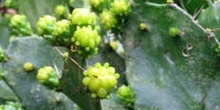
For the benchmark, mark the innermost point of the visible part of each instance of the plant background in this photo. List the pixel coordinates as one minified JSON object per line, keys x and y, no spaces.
{"x":154,"y":63}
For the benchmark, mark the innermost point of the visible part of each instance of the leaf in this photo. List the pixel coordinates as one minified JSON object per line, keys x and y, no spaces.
{"x":4,"y":32}
{"x":108,"y":104}
{"x":4,"y":39}
{"x":6,"y":94}
{"x":71,"y":85}
{"x":209,"y":18}
{"x":155,"y":64}
{"x":32,"y":95}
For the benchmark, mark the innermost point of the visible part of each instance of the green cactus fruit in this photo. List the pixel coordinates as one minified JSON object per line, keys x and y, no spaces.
{"x":102,"y":93}
{"x":108,"y":19}
{"x":61,"y":10}
{"x":48,"y":77}
{"x":100,"y":80}
{"x":126,"y":94}
{"x":170,"y":1}
{"x":94,"y":84}
{"x":120,"y":7}
{"x":20,"y":26}
{"x":95,"y":3}
{"x":82,"y":17}
{"x":61,"y":27}
{"x":45,"y":25}
{"x":87,"y":38}
{"x":143,"y":27}
{"x":174,"y":32}
{"x":28,"y":66}
{"x":65,"y":55}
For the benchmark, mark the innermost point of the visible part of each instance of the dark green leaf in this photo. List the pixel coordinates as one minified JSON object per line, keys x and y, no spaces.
{"x":4,"y":32}
{"x":209,"y":18}
{"x":6,"y":94}
{"x":32,"y":95}
{"x":109,"y":104}
{"x":170,"y":73}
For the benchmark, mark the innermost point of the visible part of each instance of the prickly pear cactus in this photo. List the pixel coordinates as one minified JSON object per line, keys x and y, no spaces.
{"x":109,"y":54}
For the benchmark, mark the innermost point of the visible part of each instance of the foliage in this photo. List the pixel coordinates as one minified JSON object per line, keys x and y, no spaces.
{"x":166,"y":53}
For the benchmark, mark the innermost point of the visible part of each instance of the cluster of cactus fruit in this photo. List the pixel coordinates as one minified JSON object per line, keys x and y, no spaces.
{"x":126,"y":94}
{"x":48,"y":77}
{"x":79,"y":32}
{"x":111,"y":12}
{"x":20,"y":26}
{"x":100,"y":79}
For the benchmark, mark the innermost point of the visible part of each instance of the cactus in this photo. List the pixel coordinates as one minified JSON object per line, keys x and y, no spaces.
{"x":166,"y":52}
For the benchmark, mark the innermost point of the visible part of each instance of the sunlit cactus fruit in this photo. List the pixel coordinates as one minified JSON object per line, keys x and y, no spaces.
{"x":65,"y":55}
{"x":108,"y":19}
{"x":61,"y":10}
{"x":100,"y":80}
{"x":87,"y":39}
{"x":45,"y":25}
{"x":102,"y":93}
{"x":82,"y":17}
{"x":61,"y":27}
{"x":126,"y":94}
{"x":28,"y":66}
{"x":174,"y":32}
{"x":143,"y":27}
{"x":48,"y":77}
{"x":18,"y":20}
{"x":120,"y":7}
{"x":20,"y":26}
{"x":170,"y":1}
{"x":95,"y":3}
